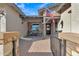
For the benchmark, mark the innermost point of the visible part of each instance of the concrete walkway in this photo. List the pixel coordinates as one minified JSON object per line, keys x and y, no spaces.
{"x":35,"y":47}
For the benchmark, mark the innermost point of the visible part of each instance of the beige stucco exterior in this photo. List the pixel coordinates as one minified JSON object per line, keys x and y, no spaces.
{"x":13,"y":21}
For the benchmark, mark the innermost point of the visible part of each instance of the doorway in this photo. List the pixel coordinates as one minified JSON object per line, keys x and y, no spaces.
{"x":48,"y":28}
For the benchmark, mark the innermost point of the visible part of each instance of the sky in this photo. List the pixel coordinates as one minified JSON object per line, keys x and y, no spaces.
{"x":30,"y":9}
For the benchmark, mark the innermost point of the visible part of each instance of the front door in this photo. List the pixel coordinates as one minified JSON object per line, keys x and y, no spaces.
{"x":48,"y":28}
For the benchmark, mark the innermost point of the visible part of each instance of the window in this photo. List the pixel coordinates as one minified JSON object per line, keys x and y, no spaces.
{"x":35,"y":27}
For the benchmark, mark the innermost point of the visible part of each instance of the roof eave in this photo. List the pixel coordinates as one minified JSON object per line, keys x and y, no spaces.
{"x":63,"y":7}
{"x":17,"y":9}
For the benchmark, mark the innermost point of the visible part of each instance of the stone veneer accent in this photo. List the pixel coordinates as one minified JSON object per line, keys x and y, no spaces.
{"x":9,"y":44}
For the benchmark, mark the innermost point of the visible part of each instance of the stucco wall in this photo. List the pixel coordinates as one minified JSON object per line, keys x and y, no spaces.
{"x":13,"y":21}
{"x":66,"y":18}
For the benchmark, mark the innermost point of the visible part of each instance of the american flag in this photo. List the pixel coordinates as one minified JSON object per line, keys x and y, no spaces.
{"x":49,"y":13}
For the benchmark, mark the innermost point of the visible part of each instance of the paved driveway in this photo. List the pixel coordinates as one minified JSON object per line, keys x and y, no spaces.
{"x":35,"y":46}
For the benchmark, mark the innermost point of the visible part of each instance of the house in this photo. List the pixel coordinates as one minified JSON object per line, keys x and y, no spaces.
{"x":68,"y":23}
{"x":11,"y":19}
{"x":11,"y":26}
{"x":68,"y":12}
{"x":49,"y":14}
{"x":34,"y":25}
{"x":67,"y":27}
{"x":64,"y":19}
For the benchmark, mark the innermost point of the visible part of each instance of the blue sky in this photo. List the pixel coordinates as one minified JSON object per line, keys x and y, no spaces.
{"x":32,"y":8}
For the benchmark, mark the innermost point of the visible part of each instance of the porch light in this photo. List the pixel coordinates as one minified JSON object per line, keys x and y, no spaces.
{"x":22,"y":18}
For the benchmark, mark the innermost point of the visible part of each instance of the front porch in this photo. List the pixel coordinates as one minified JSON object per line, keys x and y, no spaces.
{"x":39,"y":25}
{"x":38,"y":43}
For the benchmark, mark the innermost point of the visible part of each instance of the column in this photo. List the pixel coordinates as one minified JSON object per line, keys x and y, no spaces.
{"x":53,"y":27}
{"x":44,"y":27}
